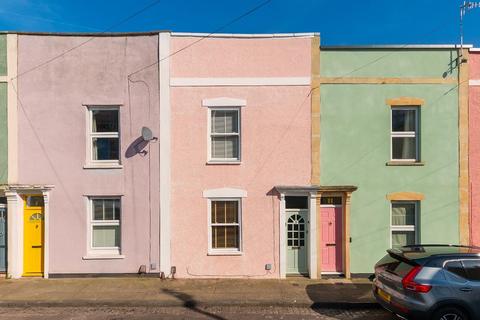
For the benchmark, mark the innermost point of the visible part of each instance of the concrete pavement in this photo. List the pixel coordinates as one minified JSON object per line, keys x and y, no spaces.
{"x":137,"y":292}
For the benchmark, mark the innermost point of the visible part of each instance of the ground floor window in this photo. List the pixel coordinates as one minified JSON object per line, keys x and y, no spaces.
{"x":224,"y":225}
{"x":404,"y":223}
{"x":104,"y":225}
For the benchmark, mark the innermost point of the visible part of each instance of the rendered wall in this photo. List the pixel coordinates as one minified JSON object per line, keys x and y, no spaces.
{"x":3,"y":112}
{"x":275,"y":126}
{"x":355,"y":144}
{"x":474,"y":147}
{"x":52,"y":142}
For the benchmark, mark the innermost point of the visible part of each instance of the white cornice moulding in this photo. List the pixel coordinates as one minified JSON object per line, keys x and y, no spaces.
{"x":3,"y":79}
{"x":264,"y":81}
{"x":475,"y":82}
{"x":224,"y":193}
{"x":224,"y":102}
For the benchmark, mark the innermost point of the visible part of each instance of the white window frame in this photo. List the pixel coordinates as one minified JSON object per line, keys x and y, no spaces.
{"x":413,"y":228}
{"x":90,"y":162}
{"x":102,"y":251}
{"x":405,"y":134}
{"x":210,"y":110}
{"x":229,"y":251}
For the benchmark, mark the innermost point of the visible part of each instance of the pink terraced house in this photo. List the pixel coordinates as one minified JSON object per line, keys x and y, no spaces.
{"x":128,"y":154}
{"x":474,"y":143}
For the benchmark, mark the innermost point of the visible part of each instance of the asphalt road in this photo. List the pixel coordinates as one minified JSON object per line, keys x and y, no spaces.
{"x":176,"y":313}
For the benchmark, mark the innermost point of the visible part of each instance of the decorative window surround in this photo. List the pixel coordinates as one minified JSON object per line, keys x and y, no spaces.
{"x":225,"y":193}
{"x":224,"y":102}
{"x":405,"y":196}
{"x":405,"y":101}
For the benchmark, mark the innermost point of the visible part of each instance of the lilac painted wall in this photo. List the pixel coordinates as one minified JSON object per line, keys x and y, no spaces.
{"x":275,"y":126}
{"x":52,"y":141}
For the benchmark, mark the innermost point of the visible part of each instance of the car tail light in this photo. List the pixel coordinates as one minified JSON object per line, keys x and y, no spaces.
{"x":409,"y":283}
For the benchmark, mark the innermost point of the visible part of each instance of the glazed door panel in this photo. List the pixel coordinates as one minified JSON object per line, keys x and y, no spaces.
{"x":297,"y":235}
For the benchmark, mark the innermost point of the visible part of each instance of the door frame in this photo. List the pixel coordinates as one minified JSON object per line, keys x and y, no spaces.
{"x":311,"y":194}
{"x":4,"y":206}
{"x":346,"y":193}
{"x":15,"y":223}
{"x":343,"y":237}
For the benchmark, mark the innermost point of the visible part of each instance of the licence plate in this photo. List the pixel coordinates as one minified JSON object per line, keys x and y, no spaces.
{"x":382,"y":294}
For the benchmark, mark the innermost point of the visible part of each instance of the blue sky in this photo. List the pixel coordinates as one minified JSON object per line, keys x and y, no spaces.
{"x":347,"y":22}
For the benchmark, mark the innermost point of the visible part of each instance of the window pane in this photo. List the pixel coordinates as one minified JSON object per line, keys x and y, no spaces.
{"x":109,"y":203}
{"x":403,"y":214}
{"x":105,"y":149}
{"x":117,"y":209}
{"x":225,"y":237}
{"x":106,"y":236}
{"x":292,"y":202}
{"x":404,"y":148}
{"x":224,"y":211}
{"x":35,"y":201}
{"x":225,"y":147}
{"x":224,"y":121}
{"x":97,"y":209}
{"x":403,"y":120}
{"x":456,"y":267}
{"x":402,"y":238}
{"x":473,"y":269}
{"x":105,"y":120}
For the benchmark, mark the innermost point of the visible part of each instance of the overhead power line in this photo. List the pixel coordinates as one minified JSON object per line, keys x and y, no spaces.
{"x":247,"y":13}
{"x":110,"y":28}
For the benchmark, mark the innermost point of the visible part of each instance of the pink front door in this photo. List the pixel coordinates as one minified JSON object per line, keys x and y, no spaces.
{"x":331,"y":238}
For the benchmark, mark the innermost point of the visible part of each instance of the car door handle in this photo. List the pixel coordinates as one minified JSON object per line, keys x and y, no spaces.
{"x":331,"y":244}
{"x":466,"y":289}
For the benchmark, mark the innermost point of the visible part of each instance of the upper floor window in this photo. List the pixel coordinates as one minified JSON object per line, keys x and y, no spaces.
{"x":224,"y":140}
{"x":404,"y":134}
{"x":103,"y":145}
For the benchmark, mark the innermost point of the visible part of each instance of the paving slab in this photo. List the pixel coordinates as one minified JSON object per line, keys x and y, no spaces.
{"x":156,"y":292}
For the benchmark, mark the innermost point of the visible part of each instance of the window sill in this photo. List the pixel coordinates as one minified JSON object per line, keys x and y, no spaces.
{"x":103,"y":166}
{"x":225,"y":253}
{"x":405,"y":163}
{"x":213,"y":162}
{"x":104,"y":257}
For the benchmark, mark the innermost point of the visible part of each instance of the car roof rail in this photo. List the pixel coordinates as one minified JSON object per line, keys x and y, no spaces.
{"x":440,"y":245}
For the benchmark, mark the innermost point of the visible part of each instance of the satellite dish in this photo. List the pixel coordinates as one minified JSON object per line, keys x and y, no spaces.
{"x":147,"y":134}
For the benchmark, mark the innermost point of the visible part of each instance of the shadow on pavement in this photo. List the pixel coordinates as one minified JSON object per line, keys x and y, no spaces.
{"x":341,"y":296}
{"x":190,"y":303}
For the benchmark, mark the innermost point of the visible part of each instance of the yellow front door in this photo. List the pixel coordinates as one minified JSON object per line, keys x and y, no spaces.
{"x":33,"y":228}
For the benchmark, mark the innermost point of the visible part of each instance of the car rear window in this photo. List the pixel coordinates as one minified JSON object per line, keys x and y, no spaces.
{"x":392,"y":265}
{"x":456,"y":267}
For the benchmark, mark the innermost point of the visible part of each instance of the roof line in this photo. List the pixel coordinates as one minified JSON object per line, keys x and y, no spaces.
{"x":86,"y":34}
{"x":398,"y":46}
{"x":246,"y":35}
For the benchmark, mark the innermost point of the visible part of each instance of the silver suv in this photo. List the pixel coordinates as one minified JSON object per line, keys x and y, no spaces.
{"x":437,"y":282}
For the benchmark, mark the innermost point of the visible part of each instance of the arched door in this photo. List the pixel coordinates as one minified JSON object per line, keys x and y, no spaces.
{"x":297,"y":229}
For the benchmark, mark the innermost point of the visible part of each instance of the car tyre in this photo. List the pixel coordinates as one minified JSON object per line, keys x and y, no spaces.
{"x":450,"y":313}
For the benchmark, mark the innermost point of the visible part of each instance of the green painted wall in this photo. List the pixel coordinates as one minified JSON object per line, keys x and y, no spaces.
{"x":3,"y":55}
{"x":355,"y":146}
{"x":3,"y":111}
